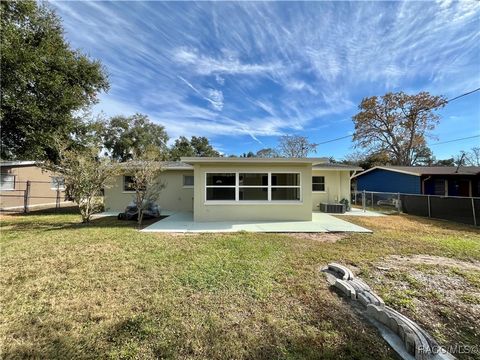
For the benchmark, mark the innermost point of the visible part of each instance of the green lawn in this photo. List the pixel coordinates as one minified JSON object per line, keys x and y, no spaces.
{"x":106,"y":290}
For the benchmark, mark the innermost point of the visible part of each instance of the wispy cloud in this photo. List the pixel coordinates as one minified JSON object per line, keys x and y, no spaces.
{"x":205,"y":65}
{"x":261,"y":69}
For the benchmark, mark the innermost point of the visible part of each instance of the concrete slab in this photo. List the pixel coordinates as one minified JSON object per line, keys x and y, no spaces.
{"x":181,"y":222}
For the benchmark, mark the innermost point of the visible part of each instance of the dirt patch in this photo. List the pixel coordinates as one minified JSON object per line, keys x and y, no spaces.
{"x":320,"y":237}
{"x":441,"y":294}
{"x":396,"y":261}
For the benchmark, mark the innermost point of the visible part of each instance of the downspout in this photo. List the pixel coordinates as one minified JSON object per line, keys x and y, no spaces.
{"x":423,"y":184}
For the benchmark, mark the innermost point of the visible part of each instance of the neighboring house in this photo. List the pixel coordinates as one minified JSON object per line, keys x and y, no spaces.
{"x":217,"y":189}
{"x":13,"y":184}
{"x":428,"y":180}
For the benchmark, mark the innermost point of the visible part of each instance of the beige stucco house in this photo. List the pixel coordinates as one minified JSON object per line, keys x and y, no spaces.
{"x":224,"y":189}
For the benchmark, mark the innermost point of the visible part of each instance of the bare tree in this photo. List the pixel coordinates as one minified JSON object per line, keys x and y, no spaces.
{"x":397,"y":123}
{"x":472,"y":157}
{"x":267,"y":153}
{"x":85,"y":175}
{"x":146,"y":182}
{"x":295,"y":146}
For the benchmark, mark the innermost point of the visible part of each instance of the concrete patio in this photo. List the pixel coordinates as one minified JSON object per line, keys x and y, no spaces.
{"x":182,"y":222}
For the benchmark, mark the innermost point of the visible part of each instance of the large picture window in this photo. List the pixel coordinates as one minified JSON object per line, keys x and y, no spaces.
{"x":221,"y":186}
{"x":253,"y":187}
{"x":318,"y":183}
{"x":285,"y":187}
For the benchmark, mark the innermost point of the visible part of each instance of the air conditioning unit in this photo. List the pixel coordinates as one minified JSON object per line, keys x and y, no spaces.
{"x":332,"y":208}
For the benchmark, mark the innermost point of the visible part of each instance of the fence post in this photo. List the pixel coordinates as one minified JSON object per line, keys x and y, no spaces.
{"x":429,"y":209}
{"x":57,"y":199}
{"x":363,"y":200}
{"x":371,"y":198}
{"x":474,"y":215}
{"x":26,"y":196}
{"x":399,"y":205}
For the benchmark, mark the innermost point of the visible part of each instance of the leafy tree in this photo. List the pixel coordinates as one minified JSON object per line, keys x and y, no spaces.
{"x":250,"y":154}
{"x":181,"y":148}
{"x":444,"y":162}
{"x":195,"y":147}
{"x":202,"y":147}
{"x":146,"y":180}
{"x":295,"y":146}
{"x":267,"y":153}
{"x":367,"y":161}
{"x":43,"y":81}
{"x":423,"y":156}
{"x":85,"y":175}
{"x":397,"y":123}
{"x":129,"y":137}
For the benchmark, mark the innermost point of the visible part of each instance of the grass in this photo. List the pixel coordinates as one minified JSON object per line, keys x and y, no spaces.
{"x":106,"y":290}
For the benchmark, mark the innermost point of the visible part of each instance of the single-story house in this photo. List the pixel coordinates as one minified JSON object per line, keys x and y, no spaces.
{"x":43,"y":185}
{"x":427,"y":180}
{"x":225,"y":189}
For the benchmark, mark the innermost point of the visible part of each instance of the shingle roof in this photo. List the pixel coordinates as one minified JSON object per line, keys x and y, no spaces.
{"x":166,"y":165}
{"x":439,"y":170}
{"x":429,"y":170}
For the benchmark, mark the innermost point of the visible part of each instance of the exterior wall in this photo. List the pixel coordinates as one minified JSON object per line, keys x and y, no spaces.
{"x":245,"y":211}
{"x":455,"y":185}
{"x":337,"y":187}
{"x":173,"y":197}
{"x":41,"y":192}
{"x":389,"y":181}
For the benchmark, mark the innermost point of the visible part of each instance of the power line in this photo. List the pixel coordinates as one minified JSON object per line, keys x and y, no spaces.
{"x":328,"y":141}
{"x":446,"y":102}
{"x":459,"y":96}
{"x":459,"y":139}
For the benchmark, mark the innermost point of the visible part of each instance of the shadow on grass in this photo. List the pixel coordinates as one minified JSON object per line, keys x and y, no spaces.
{"x":50,"y":211}
{"x":62,"y":224}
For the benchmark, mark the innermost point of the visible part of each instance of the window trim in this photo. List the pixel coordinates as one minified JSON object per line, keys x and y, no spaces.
{"x":188,"y":186}
{"x":269,"y":187}
{"x":324,"y":183}
{"x":14,"y":181}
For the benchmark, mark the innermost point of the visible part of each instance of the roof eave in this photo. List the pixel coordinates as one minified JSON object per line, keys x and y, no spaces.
{"x":206,"y":160}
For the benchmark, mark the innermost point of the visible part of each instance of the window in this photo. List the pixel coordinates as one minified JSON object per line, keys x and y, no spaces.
{"x":57,"y":182}
{"x":318,"y":183}
{"x":285,"y":187}
{"x":7,"y":182}
{"x":128,"y":183}
{"x":187,"y":180}
{"x":221,"y":186}
{"x":439,"y":187}
{"x":254,"y":187}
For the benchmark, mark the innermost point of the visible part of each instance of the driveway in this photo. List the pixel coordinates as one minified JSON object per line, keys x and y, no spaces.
{"x":182,"y":222}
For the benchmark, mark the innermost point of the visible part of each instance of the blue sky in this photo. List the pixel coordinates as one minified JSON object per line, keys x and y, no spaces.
{"x":243,"y":74}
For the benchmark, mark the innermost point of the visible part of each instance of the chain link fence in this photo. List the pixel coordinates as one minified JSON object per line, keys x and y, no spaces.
{"x":465,"y":210}
{"x":23,"y":196}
